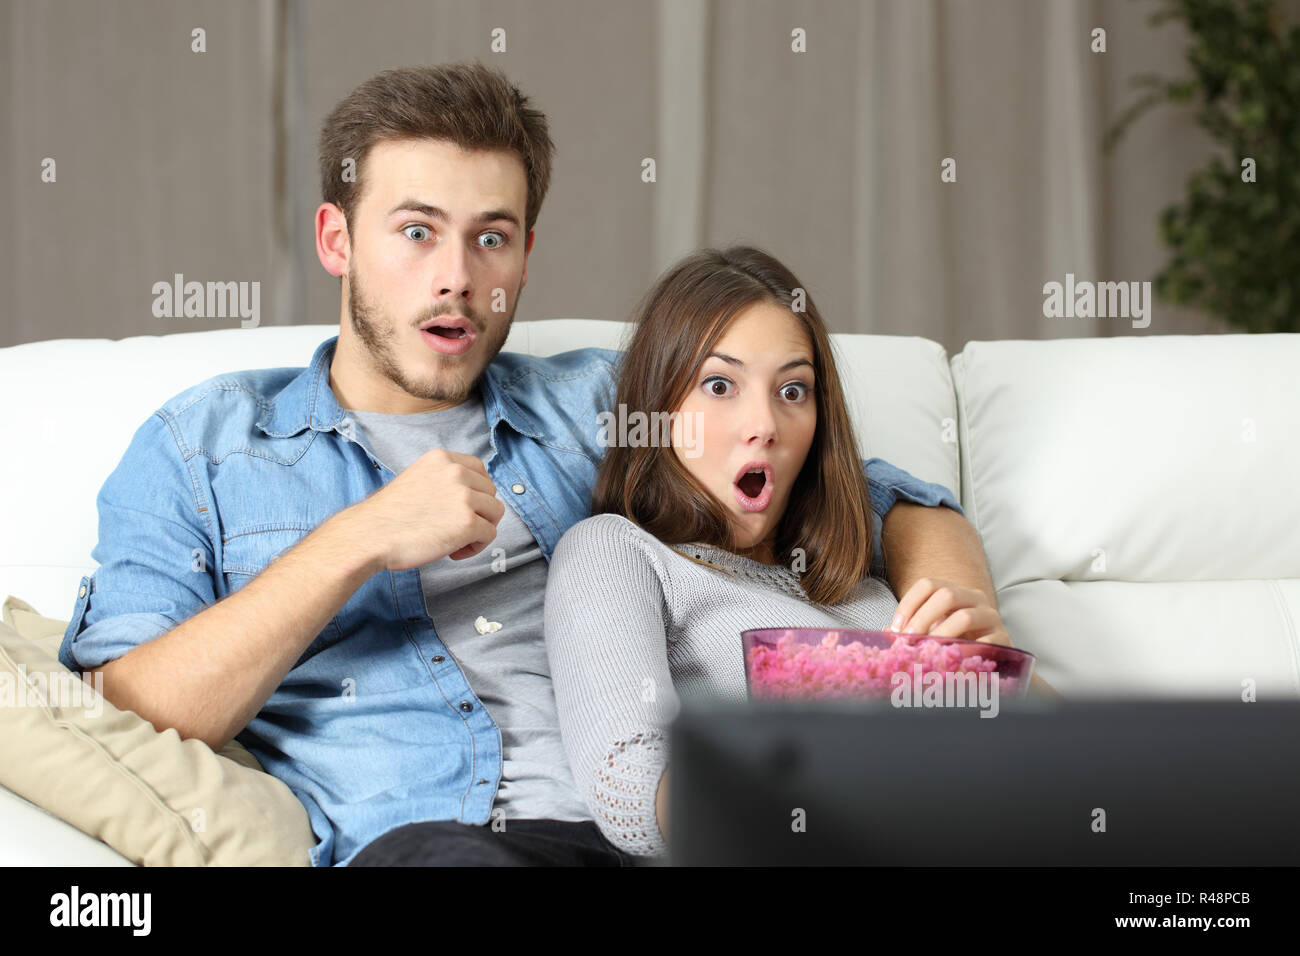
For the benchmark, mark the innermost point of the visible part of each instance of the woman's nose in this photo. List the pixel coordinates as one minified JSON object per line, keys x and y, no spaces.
{"x":759,"y":423}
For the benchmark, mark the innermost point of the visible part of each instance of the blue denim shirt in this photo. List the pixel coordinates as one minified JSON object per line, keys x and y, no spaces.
{"x":231,"y":473}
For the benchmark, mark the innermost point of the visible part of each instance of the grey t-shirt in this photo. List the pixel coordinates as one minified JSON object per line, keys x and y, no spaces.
{"x":506,"y":584}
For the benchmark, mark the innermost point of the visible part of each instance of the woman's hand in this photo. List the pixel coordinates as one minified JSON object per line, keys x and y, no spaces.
{"x":661,"y":804}
{"x":944,"y":609}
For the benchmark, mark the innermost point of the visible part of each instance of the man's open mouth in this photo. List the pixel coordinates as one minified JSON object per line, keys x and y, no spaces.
{"x":449,"y":326}
{"x":450,"y":334}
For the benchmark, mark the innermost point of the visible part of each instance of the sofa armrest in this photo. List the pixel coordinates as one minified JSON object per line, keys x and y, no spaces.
{"x":29,"y":836}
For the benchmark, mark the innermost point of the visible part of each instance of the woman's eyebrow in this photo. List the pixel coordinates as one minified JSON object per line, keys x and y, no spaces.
{"x":794,"y":363}
{"x":739,"y":364}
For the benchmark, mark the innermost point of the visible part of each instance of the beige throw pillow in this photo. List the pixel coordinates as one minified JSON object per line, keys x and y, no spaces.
{"x":153,"y":797}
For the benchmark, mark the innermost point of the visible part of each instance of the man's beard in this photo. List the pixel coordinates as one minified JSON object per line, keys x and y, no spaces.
{"x":451,"y":383}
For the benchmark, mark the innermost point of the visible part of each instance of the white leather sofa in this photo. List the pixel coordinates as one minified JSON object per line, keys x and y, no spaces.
{"x":1136,"y":497}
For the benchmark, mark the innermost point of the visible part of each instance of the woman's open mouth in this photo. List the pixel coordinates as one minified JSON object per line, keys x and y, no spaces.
{"x":753,"y":485}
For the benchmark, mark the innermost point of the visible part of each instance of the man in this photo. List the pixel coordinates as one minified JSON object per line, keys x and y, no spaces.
{"x":344,"y":565}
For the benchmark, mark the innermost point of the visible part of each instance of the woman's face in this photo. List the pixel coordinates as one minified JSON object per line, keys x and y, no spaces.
{"x":754,"y":417}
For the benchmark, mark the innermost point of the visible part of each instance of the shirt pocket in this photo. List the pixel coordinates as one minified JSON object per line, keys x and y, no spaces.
{"x":246,"y":554}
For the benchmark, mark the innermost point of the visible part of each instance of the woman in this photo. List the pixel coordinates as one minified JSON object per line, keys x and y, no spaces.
{"x":757,"y":515}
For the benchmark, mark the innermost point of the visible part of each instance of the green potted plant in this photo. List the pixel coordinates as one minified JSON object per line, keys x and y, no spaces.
{"x":1235,"y":236}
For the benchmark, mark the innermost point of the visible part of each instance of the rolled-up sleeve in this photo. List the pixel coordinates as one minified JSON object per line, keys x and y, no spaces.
{"x":888,"y":484}
{"x":154,"y":553}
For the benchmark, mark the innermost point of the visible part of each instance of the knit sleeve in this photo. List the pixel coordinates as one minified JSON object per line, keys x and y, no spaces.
{"x":605,"y":625}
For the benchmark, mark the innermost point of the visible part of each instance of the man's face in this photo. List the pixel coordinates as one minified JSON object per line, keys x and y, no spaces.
{"x":437,"y":237}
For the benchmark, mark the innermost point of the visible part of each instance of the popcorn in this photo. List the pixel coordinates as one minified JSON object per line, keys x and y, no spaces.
{"x":484,"y":626}
{"x":790,"y":669}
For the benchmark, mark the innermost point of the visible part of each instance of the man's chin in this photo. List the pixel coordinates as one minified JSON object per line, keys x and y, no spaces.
{"x":452,"y":385}
{"x":448,"y":377}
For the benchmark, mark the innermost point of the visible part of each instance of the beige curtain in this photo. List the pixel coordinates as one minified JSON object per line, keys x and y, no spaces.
{"x":203,"y":163}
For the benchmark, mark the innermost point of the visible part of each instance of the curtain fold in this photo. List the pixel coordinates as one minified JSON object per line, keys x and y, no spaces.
{"x":203,"y":163}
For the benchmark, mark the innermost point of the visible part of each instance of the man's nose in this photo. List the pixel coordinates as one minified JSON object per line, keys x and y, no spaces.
{"x":451,"y":278}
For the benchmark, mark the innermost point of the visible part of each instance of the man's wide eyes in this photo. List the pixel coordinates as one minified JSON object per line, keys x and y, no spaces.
{"x":419,"y":233}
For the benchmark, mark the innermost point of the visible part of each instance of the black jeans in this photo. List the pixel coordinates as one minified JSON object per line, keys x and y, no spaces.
{"x":519,"y":843}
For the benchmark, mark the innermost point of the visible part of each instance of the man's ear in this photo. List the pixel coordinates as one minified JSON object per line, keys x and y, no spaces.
{"x":523,"y":279}
{"x":333,"y":245}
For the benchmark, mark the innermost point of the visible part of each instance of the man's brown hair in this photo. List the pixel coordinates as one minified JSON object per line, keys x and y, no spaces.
{"x":678,"y":323}
{"x":468,"y":104}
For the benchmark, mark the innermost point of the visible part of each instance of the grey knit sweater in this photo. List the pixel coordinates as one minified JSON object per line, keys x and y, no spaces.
{"x":632,"y":627}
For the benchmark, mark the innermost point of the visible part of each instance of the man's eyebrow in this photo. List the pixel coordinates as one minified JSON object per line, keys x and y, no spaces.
{"x":436,"y":212}
{"x":739,"y":364}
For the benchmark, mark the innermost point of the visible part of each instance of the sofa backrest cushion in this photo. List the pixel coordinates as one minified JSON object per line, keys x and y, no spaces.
{"x":1136,"y":500}
{"x":75,"y":403}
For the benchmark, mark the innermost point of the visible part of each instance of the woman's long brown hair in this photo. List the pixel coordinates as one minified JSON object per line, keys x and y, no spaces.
{"x":678,"y":323}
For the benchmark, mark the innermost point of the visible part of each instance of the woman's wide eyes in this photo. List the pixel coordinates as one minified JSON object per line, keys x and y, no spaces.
{"x":712,"y":382}
{"x":793,"y":392}
{"x":418,"y":233}
{"x":800,"y":391}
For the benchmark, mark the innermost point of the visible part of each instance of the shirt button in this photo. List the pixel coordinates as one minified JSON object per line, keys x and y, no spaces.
{"x":517,"y":488}
{"x":82,"y":592}
{"x":466,"y":706}
{"x":481,"y":782}
{"x":413,"y":620}
{"x":437,"y":658}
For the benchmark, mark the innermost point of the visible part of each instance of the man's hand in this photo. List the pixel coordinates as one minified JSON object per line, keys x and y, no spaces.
{"x":443,"y":505}
{"x":945,"y":609}
{"x":922,"y":542}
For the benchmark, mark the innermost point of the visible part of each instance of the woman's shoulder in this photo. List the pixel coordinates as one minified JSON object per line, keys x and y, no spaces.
{"x":609,"y":536}
{"x":606,"y":525}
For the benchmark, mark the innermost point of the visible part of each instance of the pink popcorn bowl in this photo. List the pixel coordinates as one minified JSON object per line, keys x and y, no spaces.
{"x":816,"y":663}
